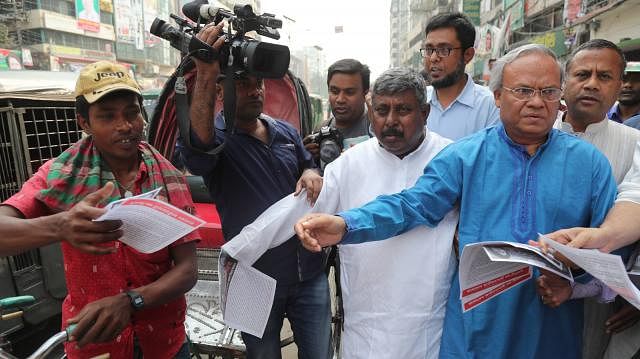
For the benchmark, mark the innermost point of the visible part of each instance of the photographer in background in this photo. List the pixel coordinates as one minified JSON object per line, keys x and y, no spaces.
{"x":348,"y":82}
{"x":263,"y":160}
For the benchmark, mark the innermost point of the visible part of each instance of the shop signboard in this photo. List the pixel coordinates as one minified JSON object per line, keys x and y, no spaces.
{"x":471,"y":8}
{"x":27,"y":60}
{"x":554,"y":40}
{"x":10,"y":60}
{"x":517,"y":15}
{"x":74,"y":52}
{"x":572,"y":11}
{"x":88,"y":14}
{"x":532,"y":7}
{"x":123,"y":19}
{"x":150,"y":13}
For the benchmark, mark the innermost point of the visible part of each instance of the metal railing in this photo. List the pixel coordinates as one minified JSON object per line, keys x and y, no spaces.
{"x":29,"y":136}
{"x":32,"y":132}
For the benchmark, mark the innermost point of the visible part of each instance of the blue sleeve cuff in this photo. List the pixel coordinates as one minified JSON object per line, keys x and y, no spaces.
{"x":348,"y":237}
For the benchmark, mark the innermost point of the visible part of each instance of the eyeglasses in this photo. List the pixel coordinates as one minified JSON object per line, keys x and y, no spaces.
{"x":550,"y":94}
{"x":440,"y":51}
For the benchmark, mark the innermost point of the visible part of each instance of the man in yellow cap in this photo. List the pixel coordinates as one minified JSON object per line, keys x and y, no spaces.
{"x":117,"y":296}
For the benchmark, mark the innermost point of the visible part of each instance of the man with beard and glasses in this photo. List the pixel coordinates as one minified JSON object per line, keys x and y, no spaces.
{"x":593,"y":79}
{"x":262,"y":161}
{"x":627,"y":110}
{"x":459,"y":107}
{"x":394,"y":291}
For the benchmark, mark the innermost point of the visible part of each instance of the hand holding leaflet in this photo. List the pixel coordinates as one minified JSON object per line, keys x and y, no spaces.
{"x":150,"y":224}
{"x":488,"y":269}
{"x":608,"y":268}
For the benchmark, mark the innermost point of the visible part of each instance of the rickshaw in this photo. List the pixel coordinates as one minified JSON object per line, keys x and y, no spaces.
{"x":37,"y":122}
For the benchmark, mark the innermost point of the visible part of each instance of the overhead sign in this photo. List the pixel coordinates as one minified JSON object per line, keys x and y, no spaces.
{"x":471,"y":8}
{"x":553,"y":40}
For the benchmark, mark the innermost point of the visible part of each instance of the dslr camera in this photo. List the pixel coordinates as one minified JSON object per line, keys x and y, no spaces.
{"x":330,"y":141}
{"x":241,"y":53}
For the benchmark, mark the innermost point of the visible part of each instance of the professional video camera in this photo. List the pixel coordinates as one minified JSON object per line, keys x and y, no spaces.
{"x":240,"y":53}
{"x":330,"y":141}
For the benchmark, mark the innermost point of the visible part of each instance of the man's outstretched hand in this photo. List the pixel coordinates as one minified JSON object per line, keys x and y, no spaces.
{"x":580,"y":237}
{"x":319,"y":230}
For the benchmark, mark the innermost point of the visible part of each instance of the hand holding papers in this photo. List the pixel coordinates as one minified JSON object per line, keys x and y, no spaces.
{"x":490,"y":268}
{"x":246,"y":294}
{"x":608,"y":268}
{"x":150,"y":224}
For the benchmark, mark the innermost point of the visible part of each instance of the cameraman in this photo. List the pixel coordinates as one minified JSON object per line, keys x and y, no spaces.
{"x":348,"y":82}
{"x":261,"y":162}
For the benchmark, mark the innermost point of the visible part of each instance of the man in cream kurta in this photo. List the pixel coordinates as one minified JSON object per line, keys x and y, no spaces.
{"x":394,"y":291}
{"x":592,"y":84}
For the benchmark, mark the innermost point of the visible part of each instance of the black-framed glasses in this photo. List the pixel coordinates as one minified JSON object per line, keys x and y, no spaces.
{"x":440,"y":51}
{"x":550,"y":94}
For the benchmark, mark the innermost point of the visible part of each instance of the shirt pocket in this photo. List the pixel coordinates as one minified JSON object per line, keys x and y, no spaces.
{"x":288,"y":157}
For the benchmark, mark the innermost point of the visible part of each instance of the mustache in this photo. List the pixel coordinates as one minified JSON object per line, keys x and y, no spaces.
{"x":393,"y":132}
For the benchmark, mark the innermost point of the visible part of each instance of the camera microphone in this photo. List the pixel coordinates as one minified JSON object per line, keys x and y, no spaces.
{"x":199,"y":9}
{"x":182,"y":41}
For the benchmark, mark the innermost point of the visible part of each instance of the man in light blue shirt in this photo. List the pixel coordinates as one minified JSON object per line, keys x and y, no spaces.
{"x":459,"y":107}
{"x":510,"y":181}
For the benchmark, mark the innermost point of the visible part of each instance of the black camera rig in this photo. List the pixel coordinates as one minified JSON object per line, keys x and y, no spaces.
{"x":239,"y":52}
{"x":239,"y":55}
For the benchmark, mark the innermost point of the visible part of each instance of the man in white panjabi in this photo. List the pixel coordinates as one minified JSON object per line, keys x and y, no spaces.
{"x":594,"y":74}
{"x":394,"y":291}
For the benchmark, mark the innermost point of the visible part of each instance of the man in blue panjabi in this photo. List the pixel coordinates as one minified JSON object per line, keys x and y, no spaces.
{"x":511,"y":182}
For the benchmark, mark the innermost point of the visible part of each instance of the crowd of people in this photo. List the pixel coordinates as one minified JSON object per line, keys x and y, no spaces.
{"x":426,"y":170}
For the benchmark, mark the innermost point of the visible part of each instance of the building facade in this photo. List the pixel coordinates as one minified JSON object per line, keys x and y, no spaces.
{"x":65,"y":35}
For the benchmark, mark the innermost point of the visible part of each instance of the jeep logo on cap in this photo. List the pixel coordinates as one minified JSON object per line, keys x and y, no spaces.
{"x":102,"y":75}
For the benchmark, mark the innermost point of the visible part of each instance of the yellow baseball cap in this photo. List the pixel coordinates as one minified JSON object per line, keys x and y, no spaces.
{"x":103,"y":77}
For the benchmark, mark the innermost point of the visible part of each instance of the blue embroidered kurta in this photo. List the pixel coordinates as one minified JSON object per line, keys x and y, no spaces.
{"x":503,"y":194}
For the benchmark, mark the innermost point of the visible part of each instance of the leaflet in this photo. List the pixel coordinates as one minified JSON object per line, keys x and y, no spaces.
{"x":246,"y":296}
{"x":510,"y":280}
{"x":149,"y":224}
{"x":488,"y":269}
{"x":608,"y":268}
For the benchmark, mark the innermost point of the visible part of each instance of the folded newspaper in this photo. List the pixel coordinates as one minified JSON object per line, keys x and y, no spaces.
{"x":488,"y":269}
{"x":149,"y":224}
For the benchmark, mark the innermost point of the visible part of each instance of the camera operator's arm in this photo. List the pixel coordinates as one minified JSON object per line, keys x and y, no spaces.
{"x":312,"y":147}
{"x":203,"y":100}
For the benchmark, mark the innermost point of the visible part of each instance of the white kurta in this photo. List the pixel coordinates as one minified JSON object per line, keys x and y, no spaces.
{"x":619,"y":143}
{"x":394,"y":291}
{"x":615,"y":140}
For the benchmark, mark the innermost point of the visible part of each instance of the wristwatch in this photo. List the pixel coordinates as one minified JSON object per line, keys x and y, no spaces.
{"x":137,"y":302}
